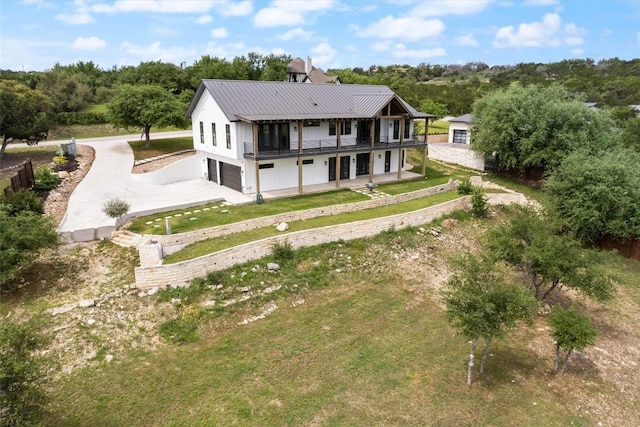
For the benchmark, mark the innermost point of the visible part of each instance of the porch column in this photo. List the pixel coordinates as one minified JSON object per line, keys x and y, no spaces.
{"x":299,"y":156}
{"x":255,"y":154}
{"x":338,"y":158}
{"x":372,"y":135}
{"x":425,"y":149}
{"x":400,"y":149}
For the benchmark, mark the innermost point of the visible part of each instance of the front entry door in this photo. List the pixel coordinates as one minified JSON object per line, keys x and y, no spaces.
{"x":212,"y":170}
{"x":387,"y":161}
{"x":344,"y":168}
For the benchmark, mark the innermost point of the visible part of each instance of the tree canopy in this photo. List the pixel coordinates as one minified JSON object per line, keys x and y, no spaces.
{"x":22,"y":114}
{"x":571,"y":331}
{"x":145,"y":106}
{"x":537,"y":126}
{"x":598,"y":195}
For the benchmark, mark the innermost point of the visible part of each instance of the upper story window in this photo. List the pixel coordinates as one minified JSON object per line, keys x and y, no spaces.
{"x":228,"y":132}
{"x":213,"y":134}
{"x":201,"y":132}
{"x":345,"y":128}
{"x":332,"y":128}
{"x":407,"y":128}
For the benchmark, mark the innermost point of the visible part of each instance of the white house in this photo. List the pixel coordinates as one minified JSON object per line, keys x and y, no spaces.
{"x":255,"y":136}
{"x":299,"y":71}
{"x":457,"y":149}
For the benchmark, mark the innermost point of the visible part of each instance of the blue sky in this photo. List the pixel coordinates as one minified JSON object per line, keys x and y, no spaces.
{"x":35,"y":34}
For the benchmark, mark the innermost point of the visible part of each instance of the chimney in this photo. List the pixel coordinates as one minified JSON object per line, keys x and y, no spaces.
{"x":307,"y":66}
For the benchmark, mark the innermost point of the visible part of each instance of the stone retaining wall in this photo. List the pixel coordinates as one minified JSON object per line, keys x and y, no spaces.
{"x":183,"y":239}
{"x":183,"y":272}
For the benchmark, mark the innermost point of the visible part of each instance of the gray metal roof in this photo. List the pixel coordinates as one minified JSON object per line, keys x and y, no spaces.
{"x":259,"y":100}
{"x":465,"y":118}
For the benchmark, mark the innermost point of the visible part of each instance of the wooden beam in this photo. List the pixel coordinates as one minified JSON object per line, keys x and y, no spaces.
{"x":372,"y":135}
{"x":338,"y":158}
{"x":300,"y":185}
{"x":255,"y":154}
{"x":425,"y":149}
{"x":400,"y":149}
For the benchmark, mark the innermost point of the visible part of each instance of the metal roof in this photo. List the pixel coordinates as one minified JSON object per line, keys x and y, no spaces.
{"x":259,"y":100}
{"x":465,"y":118}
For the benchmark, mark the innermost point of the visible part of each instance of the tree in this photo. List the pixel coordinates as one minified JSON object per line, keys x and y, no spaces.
{"x":22,"y":114}
{"x":67,"y":91}
{"x":21,"y":396}
{"x":145,"y":106}
{"x":546,"y":259}
{"x":571,"y":331}
{"x":631,"y":134}
{"x":116,"y":209}
{"x":22,"y":237}
{"x":436,"y":108}
{"x":481,"y":305}
{"x":537,"y":126}
{"x":598,"y":196}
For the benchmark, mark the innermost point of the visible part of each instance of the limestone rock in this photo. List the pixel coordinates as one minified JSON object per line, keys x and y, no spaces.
{"x":85,"y":303}
{"x":272,"y":266}
{"x":283,"y":226}
{"x":64,"y":309}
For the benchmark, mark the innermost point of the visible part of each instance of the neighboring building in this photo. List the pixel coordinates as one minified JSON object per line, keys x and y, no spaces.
{"x":256,"y":136}
{"x":457,"y":149}
{"x":299,"y":71}
{"x":636,"y":109}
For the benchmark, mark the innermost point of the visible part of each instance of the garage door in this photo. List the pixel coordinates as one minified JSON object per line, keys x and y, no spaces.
{"x":230,"y":176}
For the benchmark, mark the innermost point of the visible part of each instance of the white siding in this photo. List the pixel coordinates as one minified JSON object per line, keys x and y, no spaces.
{"x":459,"y":126}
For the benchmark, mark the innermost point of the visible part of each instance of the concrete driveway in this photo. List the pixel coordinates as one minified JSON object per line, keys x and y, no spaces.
{"x":110,"y":177}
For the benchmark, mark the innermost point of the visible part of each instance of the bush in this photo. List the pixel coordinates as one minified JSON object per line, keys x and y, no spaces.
{"x":60,"y":161}
{"x":117,"y":209}
{"x":46,"y":179}
{"x":182,"y":330}
{"x":21,"y":201}
{"x":465,"y":187}
{"x":22,"y":400}
{"x":283,"y":252}
{"x":479,"y":203}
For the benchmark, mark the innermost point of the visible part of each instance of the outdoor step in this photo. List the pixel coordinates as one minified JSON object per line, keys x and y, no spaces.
{"x":127,"y":238}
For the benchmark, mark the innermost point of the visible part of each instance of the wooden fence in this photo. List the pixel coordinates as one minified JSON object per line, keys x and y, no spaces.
{"x":23,"y":178}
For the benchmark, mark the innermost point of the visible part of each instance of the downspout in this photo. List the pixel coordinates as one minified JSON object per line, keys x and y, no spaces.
{"x":299,"y":156}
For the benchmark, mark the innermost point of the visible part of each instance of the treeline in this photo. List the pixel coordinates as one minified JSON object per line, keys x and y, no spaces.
{"x":437,"y":89}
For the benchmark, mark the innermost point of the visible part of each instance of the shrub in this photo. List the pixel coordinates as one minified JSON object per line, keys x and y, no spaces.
{"x":22,"y":201}
{"x":60,"y":161}
{"x":479,"y":203}
{"x":283,"y":251}
{"x":46,"y":179}
{"x":465,"y":187}
{"x":21,"y":397}
{"x":117,"y":209}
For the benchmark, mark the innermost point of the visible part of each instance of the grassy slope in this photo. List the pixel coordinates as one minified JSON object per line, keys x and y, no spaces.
{"x":160,"y":146}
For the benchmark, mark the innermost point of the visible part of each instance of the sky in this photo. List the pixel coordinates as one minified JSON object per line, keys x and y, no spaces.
{"x":37,"y":34}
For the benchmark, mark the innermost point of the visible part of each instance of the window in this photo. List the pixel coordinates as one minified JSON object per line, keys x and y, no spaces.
{"x":306,"y":162}
{"x":213,"y":134}
{"x":396,"y":129}
{"x":228,"y":130}
{"x":332,"y":128}
{"x":266,"y":166}
{"x":460,"y":136}
{"x":201,"y":132}
{"x":311,"y":123}
{"x":345,"y":128}
{"x":273,"y":137}
{"x":407,"y":127}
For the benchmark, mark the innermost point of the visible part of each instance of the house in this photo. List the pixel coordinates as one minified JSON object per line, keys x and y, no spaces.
{"x":255,"y":136}
{"x":636,"y":109}
{"x":299,"y":71}
{"x":457,"y":149}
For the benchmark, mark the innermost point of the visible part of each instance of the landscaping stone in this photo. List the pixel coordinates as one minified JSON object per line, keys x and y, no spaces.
{"x":64,"y":309}
{"x":283,"y":226}
{"x":272,"y":266}
{"x":152,"y":291}
{"x":108,"y":358}
{"x":85,"y":303}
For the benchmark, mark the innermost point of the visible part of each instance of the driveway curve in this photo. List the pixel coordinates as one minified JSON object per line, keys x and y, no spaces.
{"x":110,"y":177}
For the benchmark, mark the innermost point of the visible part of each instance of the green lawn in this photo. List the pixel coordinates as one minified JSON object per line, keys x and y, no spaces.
{"x":158,"y":147}
{"x":213,"y":245}
{"x":96,"y":131}
{"x":215,"y":216}
{"x":95,"y":108}
{"x":365,"y":348}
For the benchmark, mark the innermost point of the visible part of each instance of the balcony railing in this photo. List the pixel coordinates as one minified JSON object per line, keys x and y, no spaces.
{"x":328,"y":145}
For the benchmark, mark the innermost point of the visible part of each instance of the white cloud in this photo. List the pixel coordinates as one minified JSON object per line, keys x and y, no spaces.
{"x":75,"y":19}
{"x":540,"y":2}
{"x":89,"y":43}
{"x":236,"y":9}
{"x":296,"y":33}
{"x":228,"y":50}
{"x":351,"y":48}
{"x":466,"y":40}
{"x":219,"y":33}
{"x":381,"y":46}
{"x":323,"y":55}
{"x":449,"y":7}
{"x":39,"y":3}
{"x":577,"y":52}
{"x":289,"y":13}
{"x":408,"y":28}
{"x":159,"y":6}
{"x":204,"y":19}
{"x":158,"y":52}
{"x":546,"y":33}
